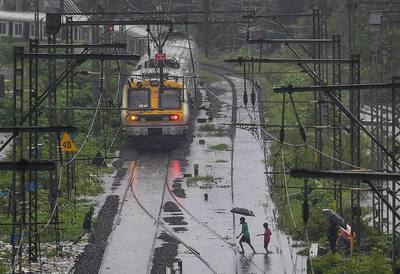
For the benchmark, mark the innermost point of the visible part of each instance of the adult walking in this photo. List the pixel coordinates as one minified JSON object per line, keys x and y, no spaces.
{"x":245,"y":235}
{"x":332,"y":234}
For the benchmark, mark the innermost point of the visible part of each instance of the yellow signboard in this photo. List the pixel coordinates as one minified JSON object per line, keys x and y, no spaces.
{"x":67,"y":145}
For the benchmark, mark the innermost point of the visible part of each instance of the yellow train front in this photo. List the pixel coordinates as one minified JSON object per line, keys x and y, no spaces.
{"x":154,"y":112}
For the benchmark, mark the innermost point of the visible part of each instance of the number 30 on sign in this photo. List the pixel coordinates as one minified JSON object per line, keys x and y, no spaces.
{"x":67,"y":145}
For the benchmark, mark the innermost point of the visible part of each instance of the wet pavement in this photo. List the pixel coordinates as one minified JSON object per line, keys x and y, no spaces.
{"x":131,"y":242}
{"x":138,"y":245}
{"x":250,"y":190}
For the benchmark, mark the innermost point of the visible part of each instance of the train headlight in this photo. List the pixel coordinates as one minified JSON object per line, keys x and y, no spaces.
{"x":134,"y":118}
{"x":174,"y":117}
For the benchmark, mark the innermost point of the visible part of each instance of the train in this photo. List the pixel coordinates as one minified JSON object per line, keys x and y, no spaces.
{"x":158,"y":99}
{"x":155,"y":106}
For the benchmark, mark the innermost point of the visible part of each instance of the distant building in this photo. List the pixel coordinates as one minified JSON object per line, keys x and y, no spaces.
{"x":27,"y":5}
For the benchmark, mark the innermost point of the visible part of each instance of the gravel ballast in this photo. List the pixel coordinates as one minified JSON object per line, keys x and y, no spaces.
{"x":90,"y":260}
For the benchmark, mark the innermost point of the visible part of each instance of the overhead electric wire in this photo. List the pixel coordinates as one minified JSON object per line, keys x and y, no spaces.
{"x":18,"y":251}
{"x":286,"y":189}
{"x":89,"y":131}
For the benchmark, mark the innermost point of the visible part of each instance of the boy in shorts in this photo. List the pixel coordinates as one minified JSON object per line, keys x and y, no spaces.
{"x":267,"y":236}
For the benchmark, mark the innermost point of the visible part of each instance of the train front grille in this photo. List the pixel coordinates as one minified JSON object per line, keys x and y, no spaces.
{"x":153,"y":118}
{"x":154,"y":131}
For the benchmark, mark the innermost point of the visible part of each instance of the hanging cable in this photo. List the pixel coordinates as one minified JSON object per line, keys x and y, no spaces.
{"x":253,"y":94}
{"x":287,"y":191}
{"x":192,"y":61}
{"x":148,"y":41}
{"x":305,"y":206}
{"x":282,"y":130}
{"x":301,"y":128}
{"x":245,"y":99}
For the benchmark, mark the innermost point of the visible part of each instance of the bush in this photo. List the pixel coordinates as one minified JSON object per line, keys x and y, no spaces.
{"x":333,"y":263}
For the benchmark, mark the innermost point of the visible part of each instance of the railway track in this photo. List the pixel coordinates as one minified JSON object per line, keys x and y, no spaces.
{"x":160,"y":224}
{"x":147,"y":191}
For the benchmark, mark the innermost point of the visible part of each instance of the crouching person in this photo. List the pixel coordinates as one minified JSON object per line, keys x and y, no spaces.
{"x":87,"y":224}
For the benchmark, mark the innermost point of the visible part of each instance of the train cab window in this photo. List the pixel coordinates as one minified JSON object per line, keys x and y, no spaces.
{"x":139,"y":98}
{"x":170,"y":98}
{"x":18,"y":29}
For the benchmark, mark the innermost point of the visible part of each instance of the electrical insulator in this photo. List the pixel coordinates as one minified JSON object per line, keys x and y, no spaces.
{"x":282,"y":135}
{"x":306,"y":211}
{"x":305,"y":206}
{"x":303,"y":133}
{"x":245,"y":99}
{"x":253,"y":98}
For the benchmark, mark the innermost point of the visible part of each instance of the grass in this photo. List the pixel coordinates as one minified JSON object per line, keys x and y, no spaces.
{"x":219,"y":147}
{"x":213,"y":130}
{"x":197,"y":179}
{"x":221,"y":161}
{"x":207,"y":127}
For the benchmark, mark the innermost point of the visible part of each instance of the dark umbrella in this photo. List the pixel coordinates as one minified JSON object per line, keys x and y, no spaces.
{"x":242,"y":211}
{"x":334,"y":217}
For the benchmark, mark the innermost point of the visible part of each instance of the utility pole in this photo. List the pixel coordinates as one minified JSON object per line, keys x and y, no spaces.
{"x":53,"y":25}
{"x":206,"y":33}
{"x":61,"y":8}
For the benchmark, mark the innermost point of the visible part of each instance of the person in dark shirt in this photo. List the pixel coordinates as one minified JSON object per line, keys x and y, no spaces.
{"x":332,"y":235}
{"x":267,"y":236}
{"x":245,"y":235}
{"x":87,"y":224}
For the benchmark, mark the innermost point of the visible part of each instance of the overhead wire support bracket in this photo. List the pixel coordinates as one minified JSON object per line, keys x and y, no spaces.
{"x":144,"y":22}
{"x":345,"y":174}
{"x":38,"y":129}
{"x":241,"y":60}
{"x":289,"y":41}
{"x":291,"y":89}
{"x":366,"y":176}
{"x":27,"y":165}
{"x":84,"y":46}
{"x":274,"y":16}
{"x":78,"y":56}
{"x":238,"y":11}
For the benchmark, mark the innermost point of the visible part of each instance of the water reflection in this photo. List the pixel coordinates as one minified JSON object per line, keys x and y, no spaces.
{"x":132,"y":174}
{"x":175,"y":169}
{"x":267,"y":264}
{"x":245,"y":264}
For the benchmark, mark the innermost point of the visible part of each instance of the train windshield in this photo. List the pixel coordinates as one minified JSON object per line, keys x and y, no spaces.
{"x":139,"y":98}
{"x":170,"y":98}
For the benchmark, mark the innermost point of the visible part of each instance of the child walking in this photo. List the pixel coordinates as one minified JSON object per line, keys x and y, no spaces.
{"x":267,"y":236}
